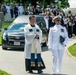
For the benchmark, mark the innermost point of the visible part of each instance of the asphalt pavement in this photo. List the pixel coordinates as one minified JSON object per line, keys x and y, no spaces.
{"x":12,"y":61}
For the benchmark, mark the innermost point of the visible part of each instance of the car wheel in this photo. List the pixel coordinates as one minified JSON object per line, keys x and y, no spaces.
{"x":4,"y":48}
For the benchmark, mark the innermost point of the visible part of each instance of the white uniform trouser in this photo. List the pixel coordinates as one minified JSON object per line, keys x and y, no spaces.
{"x":57,"y":60}
{"x":20,"y":13}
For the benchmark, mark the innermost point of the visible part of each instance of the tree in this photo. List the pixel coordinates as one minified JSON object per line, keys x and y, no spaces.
{"x":63,"y":3}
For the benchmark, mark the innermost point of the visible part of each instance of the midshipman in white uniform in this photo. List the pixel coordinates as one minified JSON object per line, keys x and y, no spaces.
{"x":8,"y":9}
{"x":20,"y":9}
{"x":57,"y":41}
{"x":33,"y":37}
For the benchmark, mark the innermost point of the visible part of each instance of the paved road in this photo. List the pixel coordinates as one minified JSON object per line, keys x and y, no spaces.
{"x":12,"y":61}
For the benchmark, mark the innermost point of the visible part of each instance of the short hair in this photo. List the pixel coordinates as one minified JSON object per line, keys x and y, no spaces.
{"x":32,"y":16}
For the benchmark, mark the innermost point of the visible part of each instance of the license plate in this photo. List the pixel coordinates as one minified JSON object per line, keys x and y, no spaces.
{"x":16,"y":43}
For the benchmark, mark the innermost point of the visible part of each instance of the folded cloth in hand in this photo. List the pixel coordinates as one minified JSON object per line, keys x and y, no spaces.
{"x":62,"y":39}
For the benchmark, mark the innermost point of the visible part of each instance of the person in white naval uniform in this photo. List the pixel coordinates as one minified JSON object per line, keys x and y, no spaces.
{"x":21,"y":9}
{"x":57,"y":41}
{"x":8,"y":9}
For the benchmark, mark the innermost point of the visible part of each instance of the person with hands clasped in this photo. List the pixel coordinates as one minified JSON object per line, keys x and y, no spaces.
{"x":32,"y":52}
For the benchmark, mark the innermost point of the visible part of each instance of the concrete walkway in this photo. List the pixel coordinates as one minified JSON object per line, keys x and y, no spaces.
{"x":69,"y":63}
{"x":13,"y":62}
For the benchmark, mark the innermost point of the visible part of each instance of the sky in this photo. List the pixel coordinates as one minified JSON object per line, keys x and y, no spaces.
{"x":72,"y":3}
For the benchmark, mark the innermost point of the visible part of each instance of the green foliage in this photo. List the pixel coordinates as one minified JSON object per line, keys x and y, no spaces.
{"x":42,"y":3}
{"x":4,"y":73}
{"x":72,"y":50}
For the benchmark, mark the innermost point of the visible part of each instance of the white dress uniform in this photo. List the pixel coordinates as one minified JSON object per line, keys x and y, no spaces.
{"x":46,"y":21}
{"x":8,"y":9}
{"x":21,"y":10}
{"x":56,"y":47}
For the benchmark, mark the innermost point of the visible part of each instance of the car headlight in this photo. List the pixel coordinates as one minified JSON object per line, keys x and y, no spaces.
{"x":4,"y":36}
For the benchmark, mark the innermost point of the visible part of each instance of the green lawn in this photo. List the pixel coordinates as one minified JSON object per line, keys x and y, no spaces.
{"x":4,"y":73}
{"x":4,"y":25}
{"x":0,"y":38}
{"x":72,"y":50}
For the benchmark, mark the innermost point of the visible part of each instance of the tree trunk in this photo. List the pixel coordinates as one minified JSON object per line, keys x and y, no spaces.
{"x":33,"y":2}
{"x":18,"y":1}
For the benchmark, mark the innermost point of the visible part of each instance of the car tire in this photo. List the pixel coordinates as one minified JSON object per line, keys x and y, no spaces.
{"x":4,"y":48}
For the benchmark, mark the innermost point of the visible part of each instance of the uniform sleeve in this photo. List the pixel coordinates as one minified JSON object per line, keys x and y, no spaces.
{"x":65,"y":36}
{"x":50,"y":39}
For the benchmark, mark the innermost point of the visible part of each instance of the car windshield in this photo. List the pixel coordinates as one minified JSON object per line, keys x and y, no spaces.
{"x":18,"y":26}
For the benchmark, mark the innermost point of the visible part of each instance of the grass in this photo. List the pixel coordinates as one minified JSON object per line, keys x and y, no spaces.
{"x":72,"y":50}
{"x":0,"y":38}
{"x":4,"y":25}
{"x":4,"y":73}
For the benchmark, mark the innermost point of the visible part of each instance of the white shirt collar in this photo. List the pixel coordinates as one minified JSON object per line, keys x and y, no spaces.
{"x":57,"y":25}
{"x":46,"y":17}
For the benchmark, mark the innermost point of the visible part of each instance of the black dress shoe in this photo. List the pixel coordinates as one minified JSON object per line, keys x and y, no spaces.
{"x":39,"y":72}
